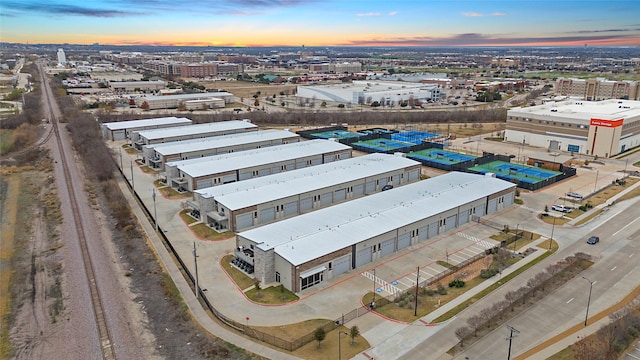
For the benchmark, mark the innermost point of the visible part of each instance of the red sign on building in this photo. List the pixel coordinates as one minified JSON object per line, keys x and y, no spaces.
{"x":606,"y":123}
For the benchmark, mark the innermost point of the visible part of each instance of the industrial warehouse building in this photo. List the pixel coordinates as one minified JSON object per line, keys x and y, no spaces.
{"x":122,"y":130}
{"x":603,"y":128}
{"x":190,"y":101}
{"x":156,"y":155}
{"x":199,"y":173}
{"x":305,"y":250}
{"x":254,"y":202}
{"x":366,"y":92}
{"x":140,"y":138}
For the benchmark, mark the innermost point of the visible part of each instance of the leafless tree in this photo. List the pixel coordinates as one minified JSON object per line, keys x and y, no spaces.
{"x":475,"y":322}
{"x":462,"y":333}
{"x":590,"y":348}
{"x":487,"y":316}
{"x":542,"y":278}
{"x":512,"y":297}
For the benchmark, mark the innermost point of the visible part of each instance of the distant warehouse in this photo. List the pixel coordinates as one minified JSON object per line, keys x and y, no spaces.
{"x":195,"y":101}
{"x":156,"y":155}
{"x":241,"y":205}
{"x":122,"y":129}
{"x":303,"y":251}
{"x":140,"y":138}
{"x":221,"y":169}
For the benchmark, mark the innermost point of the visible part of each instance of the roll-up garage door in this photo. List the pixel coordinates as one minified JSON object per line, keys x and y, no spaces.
{"x":404,"y":240}
{"x":479,"y":211}
{"x":395,"y":179}
{"x":264,"y":172}
{"x":201,"y":184}
{"x":342,"y":265}
{"x":371,"y":186}
{"x":463,"y":217}
{"x":276,"y":169}
{"x":414,"y":175}
{"x":387,"y":247}
{"x":316,"y":161}
{"x":267,"y":215}
{"x":244,"y":221}
{"x":451,"y":222}
{"x":363,"y":257}
{"x":300,"y":164}
{"x":306,"y":204}
{"x":339,"y":195}
{"x":291,"y":208}
{"x":358,"y":190}
{"x":118,"y":135}
{"x":245,"y":175}
{"x":492,"y":206}
{"x":326,"y":199}
{"x":423,"y":233}
{"x":433,"y":229}
{"x":508,"y":199}
{"x":228,"y":179}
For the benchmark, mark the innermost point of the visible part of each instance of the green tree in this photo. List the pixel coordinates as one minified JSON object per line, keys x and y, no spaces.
{"x":353,"y":333}
{"x":319,"y":335}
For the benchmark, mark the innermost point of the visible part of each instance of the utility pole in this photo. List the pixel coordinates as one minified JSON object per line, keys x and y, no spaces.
{"x":155,"y":212}
{"x":373,"y":301}
{"x":132,"y":184}
{"x":512,"y":334}
{"x":415,"y":308}
{"x":586,"y":316}
{"x":195,"y":261}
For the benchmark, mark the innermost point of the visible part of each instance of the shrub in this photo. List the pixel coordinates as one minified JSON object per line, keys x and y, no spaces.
{"x":430,"y":292}
{"x":487,"y":273}
{"x":442,"y":290}
{"x":457,"y":283}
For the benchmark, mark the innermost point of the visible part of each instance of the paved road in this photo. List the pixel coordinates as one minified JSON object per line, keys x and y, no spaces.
{"x":615,"y":273}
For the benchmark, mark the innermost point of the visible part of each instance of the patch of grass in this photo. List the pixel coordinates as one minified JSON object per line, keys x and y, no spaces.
{"x":329,"y":346}
{"x":188,"y":219}
{"x":591,"y":216}
{"x":170,"y":193}
{"x":272,"y":295}
{"x":498,"y":139}
{"x":564,"y":354}
{"x":204,"y":232}
{"x":240,"y":278}
{"x":146,"y":169}
{"x":449,"y":314}
{"x":550,"y":219}
{"x":291,"y":332}
{"x":129,"y":149}
{"x":172,"y":292}
{"x":575,"y":213}
{"x":603,"y":195}
{"x":446,"y":264}
{"x":631,"y":194}
{"x":518,"y":201}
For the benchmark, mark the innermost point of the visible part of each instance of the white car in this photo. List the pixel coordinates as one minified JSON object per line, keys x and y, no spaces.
{"x":561,"y":208}
{"x":574,"y":195}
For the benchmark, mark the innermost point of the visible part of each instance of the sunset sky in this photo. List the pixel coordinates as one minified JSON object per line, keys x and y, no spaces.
{"x":322,"y":22}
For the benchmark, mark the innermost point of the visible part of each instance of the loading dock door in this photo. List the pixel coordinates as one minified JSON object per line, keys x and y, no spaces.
{"x":244,"y":221}
{"x":371,"y":186}
{"x":229,"y":179}
{"x":508,"y":199}
{"x":342,"y":265}
{"x":267,"y":215}
{"x":433,"y":229}
{"x":492,"y":206}
{"x":264,"y":172}
{"x":291,"y":208}
{"x":451,"y":222}
{"x":463,"y":217}
{"x":423,"y":233}
{"x":326,"y":199}
{"x":358,"y":190}
{"x":245,"y":175}
{"x":306,"y":204}
{"x":363,"y":257}
{"x":119,"y":135}
{"x":201,"y":184}
{"x":316,"y":161}
{"x":339,"y":195}
{"x":414,"y":175}
{"x":404,"y":240}
{"x":479,"y":211}
{"x":387,"y":247}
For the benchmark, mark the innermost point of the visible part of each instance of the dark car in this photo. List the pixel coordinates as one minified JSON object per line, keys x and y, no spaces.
{"x":387,"y":187}
{"x":593,"y":240}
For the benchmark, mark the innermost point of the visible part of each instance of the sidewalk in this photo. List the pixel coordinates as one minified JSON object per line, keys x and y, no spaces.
{"x":401,"y":338}
{"x":604,"y":205}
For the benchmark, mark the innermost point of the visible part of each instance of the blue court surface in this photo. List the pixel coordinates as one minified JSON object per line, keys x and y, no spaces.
{"x":524,"y":173}
{"x":440,"y":156}
{"x":414,"y":137}
{"x":383,"y":144}
{"x":336,"y":134}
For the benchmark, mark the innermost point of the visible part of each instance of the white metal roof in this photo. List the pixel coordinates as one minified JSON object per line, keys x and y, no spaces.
{"x":249,"y":158}
{"x":582,"y":111}
{"x":260,"y":190}
{"x":213,"y":142}
{"x":189,"y":96}
{"x":132,"y":124}
{"x":310,"y":236}
{"x":162,"y":133}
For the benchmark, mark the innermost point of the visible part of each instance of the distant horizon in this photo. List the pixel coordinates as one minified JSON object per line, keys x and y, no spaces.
{"x":323,"y":23}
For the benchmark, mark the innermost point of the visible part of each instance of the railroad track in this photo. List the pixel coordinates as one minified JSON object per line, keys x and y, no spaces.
{"x":106,"y":343}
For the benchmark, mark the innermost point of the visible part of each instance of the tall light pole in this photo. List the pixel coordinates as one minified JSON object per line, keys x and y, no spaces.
{"x":552,"y":228}
{"x":586,"y":316}
{"x":340,"y":344}
{"x":195,"y":261}
{"x":596,"y":183}
{"x":415,"y":308}
{"x":626,"y":161}
{"x":512,"y":330}
{"x":132,"y":184}
{"x":121,"y":168}
{"x":373,"y":301}
{"x":155,"y":213}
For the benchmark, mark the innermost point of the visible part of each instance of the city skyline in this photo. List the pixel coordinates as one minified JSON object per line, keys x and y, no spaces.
{"x":249,"y":23}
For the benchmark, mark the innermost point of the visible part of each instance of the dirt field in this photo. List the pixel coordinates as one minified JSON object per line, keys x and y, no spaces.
{"x":246,"y":90}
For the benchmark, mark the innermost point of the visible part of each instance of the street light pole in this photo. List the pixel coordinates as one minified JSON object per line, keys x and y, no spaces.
{"x":340,"y":344}
{"x":415,"y":308}
{"x":155,"y":213}
{"x":586,"y":316}
{"x":373,"y":301}
{"x":195,"y":261}
{"x":553,"y":227}
{"x":595,"y":186}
